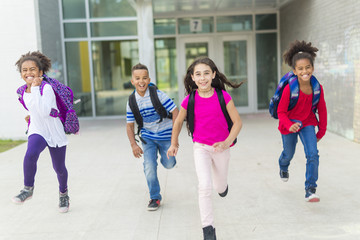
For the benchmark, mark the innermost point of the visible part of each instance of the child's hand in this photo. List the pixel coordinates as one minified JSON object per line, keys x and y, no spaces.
{"x":172,"y":151}
{"x":27,"y":118}
{"x":137,"y":151}
{"x":37,"y":81}
{"x":295,"y":127}
{"x":220,"y":146}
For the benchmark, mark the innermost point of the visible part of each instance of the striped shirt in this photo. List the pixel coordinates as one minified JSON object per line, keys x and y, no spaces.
{"x":152,"y":129}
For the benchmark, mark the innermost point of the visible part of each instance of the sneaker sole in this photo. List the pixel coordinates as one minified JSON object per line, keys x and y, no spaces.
{"x":63,"y":210}
{"x":284,"y":179}
{"x":314,"y":199}
{"x":153,"y":208}
{"x":20,"y":202}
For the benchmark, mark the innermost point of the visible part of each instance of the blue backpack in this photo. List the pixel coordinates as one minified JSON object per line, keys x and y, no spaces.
{"x":291,"y":79}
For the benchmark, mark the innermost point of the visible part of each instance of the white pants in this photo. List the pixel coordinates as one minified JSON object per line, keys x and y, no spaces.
{"x":205,"y":160}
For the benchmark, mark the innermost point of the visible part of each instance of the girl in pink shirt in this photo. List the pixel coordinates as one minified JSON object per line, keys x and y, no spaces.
{"x":301,"y":120}
{"x":210,"y":132}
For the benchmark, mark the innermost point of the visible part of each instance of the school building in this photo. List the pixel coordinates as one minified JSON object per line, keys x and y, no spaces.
{"x":94,"y":43}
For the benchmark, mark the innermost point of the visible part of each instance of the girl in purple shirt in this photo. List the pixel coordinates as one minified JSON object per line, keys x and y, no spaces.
{"x":211,"y":137}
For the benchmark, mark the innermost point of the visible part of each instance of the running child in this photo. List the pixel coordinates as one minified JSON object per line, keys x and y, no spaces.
{"x":301,"y":120}
{"x":211,"y":136}
{"x":155,"y":132}
{"x":43,"y":129}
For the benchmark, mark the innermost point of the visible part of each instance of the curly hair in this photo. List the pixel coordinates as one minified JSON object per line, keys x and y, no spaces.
{"x":41,"y":61}
{"x":299,"y":50}
{"x":219,"y":81}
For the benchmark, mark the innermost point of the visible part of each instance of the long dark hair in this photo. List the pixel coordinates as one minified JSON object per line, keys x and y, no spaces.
{"x":299,"y":50}
{"x":41,"y":61}
{"x":219,"y":81}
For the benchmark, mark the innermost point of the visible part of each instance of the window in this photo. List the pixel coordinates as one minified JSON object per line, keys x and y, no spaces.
{"x":78,"y":75}
{"x":234,"y":23}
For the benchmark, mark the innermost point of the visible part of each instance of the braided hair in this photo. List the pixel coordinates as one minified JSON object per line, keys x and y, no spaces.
{"x":41,"y":61}
{"x":219,"y":81}
{"x":299,"y":50}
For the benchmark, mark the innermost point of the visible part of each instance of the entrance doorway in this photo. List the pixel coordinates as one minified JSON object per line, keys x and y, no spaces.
{"x":232,"y":55}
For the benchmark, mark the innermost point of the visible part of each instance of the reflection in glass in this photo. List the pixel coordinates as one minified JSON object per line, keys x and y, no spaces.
{"x":111,"y":8}
{"x":265,"y":21}
{"x":195,"y":50}
{"x":266,"y":67}
{"x":78,"y":75}
{"x":75,"y":30}
{"x":166,"y":70}
{"x":106,"y":29}
{"x":164,"y":26}
{"x":73,"y":9}
{"x":235,"y":69}
{"x":112,"y":63}
{"x":234,"y":23}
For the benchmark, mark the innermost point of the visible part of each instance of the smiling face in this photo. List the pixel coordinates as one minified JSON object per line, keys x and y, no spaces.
{"x":140,"y":80}
{"x":203,"y":76}
{"x":303,"y":69}
{"x":29,"y":71}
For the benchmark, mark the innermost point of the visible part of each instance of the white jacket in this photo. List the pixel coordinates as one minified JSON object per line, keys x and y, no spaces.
{"x":39,"y":106}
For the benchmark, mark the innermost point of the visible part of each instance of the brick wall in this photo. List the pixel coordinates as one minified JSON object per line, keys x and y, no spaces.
{"x":333,"y":27}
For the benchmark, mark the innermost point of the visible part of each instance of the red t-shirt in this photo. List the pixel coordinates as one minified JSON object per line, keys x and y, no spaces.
{"x":302,"y":112}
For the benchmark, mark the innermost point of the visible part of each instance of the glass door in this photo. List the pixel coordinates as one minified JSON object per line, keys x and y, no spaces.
{"x":236,"y":64}
{"x":190,"y":49}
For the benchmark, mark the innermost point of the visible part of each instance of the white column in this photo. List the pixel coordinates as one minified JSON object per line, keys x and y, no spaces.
{"x":146,"y":36}
{"x":19,"y":32}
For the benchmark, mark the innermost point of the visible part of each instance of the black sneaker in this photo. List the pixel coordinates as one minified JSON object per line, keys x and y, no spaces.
{"x":209,"y":233}
{"x":64,"y":203}
{"x":153,"y":204}
{"x":25,"y":194}
{"x":225,"y":192}
{"x":284,"y":175}
{"x":310,"y":195}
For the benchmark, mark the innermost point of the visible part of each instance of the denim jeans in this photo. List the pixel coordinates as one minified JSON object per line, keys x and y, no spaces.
{"x":151,"y":149}
{"x":308,"y":138}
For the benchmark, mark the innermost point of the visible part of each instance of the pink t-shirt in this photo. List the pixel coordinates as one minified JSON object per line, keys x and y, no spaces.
{"x":210,"y":125}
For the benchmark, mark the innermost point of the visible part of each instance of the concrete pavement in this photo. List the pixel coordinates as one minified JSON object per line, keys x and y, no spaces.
{"x":109,"y":196}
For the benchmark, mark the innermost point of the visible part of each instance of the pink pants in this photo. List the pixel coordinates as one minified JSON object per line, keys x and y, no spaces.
{"x":205,"y":161}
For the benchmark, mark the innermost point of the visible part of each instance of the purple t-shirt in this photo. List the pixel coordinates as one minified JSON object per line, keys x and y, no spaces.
{"x":210,"y":125}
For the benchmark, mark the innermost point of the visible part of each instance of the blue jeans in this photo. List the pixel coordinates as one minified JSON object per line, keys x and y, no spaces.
{"x":151,"y":149}
{"x":308,"y":138}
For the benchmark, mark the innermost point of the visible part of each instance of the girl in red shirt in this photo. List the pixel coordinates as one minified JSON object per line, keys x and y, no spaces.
{"x":301,"y":120}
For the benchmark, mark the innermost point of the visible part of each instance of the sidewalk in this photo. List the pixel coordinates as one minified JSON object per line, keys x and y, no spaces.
{"x":109,"y":195}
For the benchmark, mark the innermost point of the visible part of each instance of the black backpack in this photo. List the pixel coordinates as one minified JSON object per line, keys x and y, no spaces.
{"x":191,"y":108}
{"x":159,"y":108}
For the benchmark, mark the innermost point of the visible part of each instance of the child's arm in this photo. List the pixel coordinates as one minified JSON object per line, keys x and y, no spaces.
{"x":172,"y":151}
{"x":237,"y":124}
{"x":175,"y":113}
{"x":137,"y":151}
{"x":322,"y":116}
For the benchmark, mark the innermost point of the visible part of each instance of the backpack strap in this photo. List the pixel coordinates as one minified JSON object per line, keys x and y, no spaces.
{"x":190,"y":112}
{"x":294,"y":91}
{"x":316,"y":93}
{"x":191,"y":109}
{"x":159,"y":108}
{"x":135,"y":110}
{"x":20,"y":92}
{"x":224,"y":110}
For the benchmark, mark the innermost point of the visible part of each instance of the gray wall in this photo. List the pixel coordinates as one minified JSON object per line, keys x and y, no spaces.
{"x":334,"y":27}
{"x":50,"y":34}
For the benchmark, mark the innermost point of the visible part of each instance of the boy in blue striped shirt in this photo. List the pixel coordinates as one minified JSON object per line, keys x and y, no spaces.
{"x":155,"y":133}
